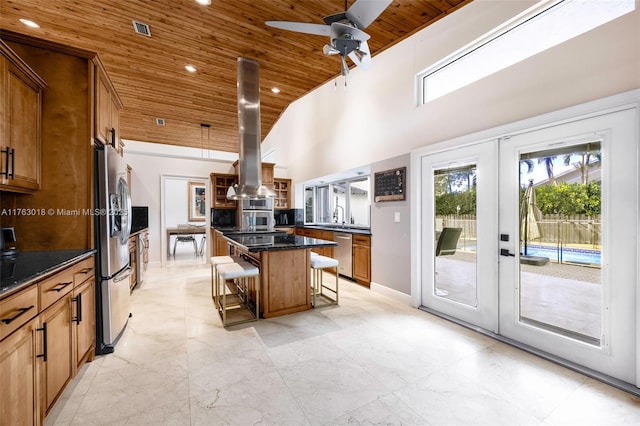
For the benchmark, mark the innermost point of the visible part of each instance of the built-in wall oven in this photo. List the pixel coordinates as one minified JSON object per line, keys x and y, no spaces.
{"x":257,"y":220}
{"x":257,"y":214}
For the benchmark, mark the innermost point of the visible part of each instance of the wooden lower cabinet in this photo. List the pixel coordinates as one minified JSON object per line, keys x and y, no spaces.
{"x":84,"y":322}
{"x":55,"y":345}
{"x":320,"y":234}
{"x":18,"y":377}
{"x":361,"y":252}
{"x":220,"y":245}
{"x":46,"y":333}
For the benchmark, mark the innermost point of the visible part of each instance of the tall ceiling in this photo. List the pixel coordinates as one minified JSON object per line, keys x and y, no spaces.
{"x":149,"y":72}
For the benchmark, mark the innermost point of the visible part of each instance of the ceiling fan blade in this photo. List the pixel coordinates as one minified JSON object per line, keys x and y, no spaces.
{"x":301,"y":27}
{"x":330,"y":19}
{"x":364,"y":12}
{"x":361,"y":57}
{"x":339,"y":30}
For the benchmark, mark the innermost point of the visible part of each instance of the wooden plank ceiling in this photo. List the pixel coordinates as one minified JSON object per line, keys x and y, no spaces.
{"x":149,"y":75}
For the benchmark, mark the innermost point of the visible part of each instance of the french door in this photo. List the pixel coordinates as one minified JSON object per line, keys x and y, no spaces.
{"x":534,"y":237}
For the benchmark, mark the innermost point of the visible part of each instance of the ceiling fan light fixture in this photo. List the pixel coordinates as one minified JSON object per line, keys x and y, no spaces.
{"x":330,"y":50}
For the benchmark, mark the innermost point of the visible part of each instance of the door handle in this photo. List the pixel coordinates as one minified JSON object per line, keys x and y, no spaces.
{"x":43,"y":355}
{"x":506,"y":252}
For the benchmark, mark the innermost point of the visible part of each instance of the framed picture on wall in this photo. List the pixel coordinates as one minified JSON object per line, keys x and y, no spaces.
{"x":197,"y":211}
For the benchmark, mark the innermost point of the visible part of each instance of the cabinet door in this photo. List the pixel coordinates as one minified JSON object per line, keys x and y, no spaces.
{"x":114,"y":122}
{"x":267,"y":174}
{"x":84,"y":322}
{"x":18,"y":379}
{"x":23,"y":104}
{"x":362,"y":260}
{"x":221,"y":245}
{"x":103,"y":109}
{"x":56,"y":369}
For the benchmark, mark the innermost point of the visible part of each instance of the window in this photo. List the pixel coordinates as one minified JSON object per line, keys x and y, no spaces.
{"x":344,"y":202}
{"x":308,"y":204}
{"x":541,"y":27}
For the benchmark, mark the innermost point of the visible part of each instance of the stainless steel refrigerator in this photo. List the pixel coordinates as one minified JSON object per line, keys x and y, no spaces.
{"x":112,"y":229}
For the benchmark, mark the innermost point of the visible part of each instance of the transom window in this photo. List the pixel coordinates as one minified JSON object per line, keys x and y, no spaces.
{"x":539,"y":28}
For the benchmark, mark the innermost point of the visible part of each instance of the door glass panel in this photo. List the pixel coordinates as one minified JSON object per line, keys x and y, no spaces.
{"x":359,"y":202}
{"x":455,"y":234}
{"x":560,"y":241}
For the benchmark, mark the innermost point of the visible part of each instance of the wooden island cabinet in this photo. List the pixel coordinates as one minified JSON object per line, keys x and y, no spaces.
{"x":285,"y":269}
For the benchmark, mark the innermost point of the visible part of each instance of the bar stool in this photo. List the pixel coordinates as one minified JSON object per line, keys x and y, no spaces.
{"x":239,"y":298}
{"x":215,"y":261}
{"x":319,"y":263}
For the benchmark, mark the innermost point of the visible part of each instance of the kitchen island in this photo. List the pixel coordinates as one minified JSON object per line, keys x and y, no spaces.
{"x":285,"y":274}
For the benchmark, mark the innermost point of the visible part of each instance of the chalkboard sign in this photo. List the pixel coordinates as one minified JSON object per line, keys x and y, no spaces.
{"x":390,"y":185}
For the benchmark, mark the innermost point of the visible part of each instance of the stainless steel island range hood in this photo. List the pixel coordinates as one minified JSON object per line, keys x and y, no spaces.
{"x":250,"y":161}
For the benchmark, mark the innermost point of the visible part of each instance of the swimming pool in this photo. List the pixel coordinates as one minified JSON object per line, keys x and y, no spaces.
{"x":574,"y":255}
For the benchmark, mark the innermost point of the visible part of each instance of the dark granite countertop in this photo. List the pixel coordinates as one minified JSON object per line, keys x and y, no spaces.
{"x":26,"y":267}
{"x":235,"y":230}
{"x":258,"y":243}
{"x":338,"y":228}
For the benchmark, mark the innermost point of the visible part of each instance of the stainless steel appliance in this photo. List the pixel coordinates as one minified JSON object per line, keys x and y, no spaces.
{"x":113,"y":227}
{"x":258,"y":220}
{"x":257,"y":204}
{"x":250,"y":159}
{"x":343,"y":252}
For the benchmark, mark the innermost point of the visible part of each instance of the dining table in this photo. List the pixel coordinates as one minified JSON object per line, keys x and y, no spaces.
{"x":183,"y":230}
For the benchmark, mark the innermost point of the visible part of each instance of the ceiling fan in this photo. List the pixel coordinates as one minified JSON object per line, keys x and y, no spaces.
{"x":344,"y":30}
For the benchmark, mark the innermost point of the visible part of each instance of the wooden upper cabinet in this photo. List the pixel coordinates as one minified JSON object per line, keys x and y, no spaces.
{"x":282,"y":188}
{"x":20,"y":123}
{"x":220,"y":184}
{"x":267,"y":174}
{"x":107,"y":109}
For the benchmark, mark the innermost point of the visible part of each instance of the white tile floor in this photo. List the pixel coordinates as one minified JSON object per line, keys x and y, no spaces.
{"x":370,"y":360}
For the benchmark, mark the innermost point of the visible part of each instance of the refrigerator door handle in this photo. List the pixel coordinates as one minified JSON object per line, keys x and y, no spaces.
{"x":123,"y":275}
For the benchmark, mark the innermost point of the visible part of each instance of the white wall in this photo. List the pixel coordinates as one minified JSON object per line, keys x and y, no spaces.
{"x":375,"y":118}
{"x":146,"y":176}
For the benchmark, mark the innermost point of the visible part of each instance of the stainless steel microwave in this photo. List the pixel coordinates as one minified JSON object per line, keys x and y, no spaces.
{"x":257,"y":204}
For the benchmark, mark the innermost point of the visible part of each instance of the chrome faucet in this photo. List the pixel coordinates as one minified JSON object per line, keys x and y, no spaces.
{"x":335,"y":212}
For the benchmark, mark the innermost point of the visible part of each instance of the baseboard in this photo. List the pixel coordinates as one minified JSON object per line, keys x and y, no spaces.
{"x":391,"y":293}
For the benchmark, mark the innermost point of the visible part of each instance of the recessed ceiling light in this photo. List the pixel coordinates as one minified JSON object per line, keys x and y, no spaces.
{"x":190,"y":68}
{"x":275,"y":90}
{"x":29,"y":23}
{"x":204,"y":2}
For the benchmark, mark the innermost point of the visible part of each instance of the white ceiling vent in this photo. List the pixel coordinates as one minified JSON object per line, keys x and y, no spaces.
{"x":160,"y":121}
{"x":141,"y":28}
